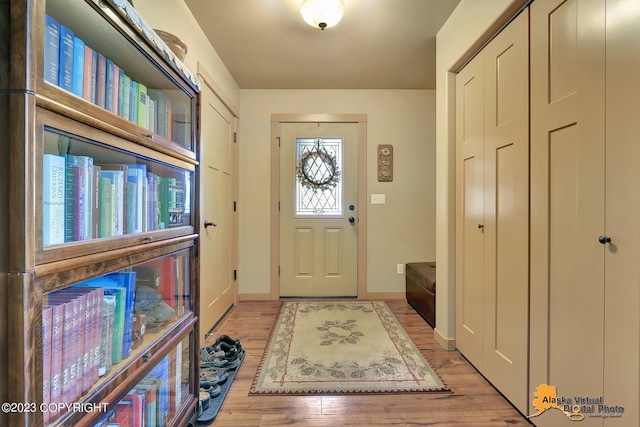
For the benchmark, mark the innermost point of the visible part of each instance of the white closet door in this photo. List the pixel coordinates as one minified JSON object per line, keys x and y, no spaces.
{"x":567,"y":200}
{"x":506,"y":211}
{"x":470,"y":211}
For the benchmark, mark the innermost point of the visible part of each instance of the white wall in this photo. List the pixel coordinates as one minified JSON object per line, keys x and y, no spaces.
{"x":401,"y":231}
{"x":465,"y":27}
{"x":175,"y":17}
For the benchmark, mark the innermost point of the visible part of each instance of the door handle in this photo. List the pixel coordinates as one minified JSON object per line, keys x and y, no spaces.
{"x":208,"y":223}
{"x":352,"y":220}
{"x":604,"y":239}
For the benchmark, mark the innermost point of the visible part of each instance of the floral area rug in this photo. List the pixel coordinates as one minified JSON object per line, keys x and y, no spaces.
{"x":340,"y":348}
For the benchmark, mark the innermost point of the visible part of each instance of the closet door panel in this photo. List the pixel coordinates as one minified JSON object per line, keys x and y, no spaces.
{"x":622,"y":273}
{"x":506,"y":248}
{"x":567,"y":200}
{"x":470,"y":212}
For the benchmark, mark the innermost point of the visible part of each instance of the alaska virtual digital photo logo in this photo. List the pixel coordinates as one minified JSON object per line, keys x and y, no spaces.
{"x":575,"y":407}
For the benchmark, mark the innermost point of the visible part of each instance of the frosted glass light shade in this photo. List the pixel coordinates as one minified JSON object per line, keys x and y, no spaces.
{"x":322,"y":13}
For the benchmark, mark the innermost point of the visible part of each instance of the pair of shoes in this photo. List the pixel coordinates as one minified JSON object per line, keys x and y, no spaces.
{"x":226,"y":342}
{"x":213,"y":389}
{"x":213,"y":375}
{"x":224,"y":364}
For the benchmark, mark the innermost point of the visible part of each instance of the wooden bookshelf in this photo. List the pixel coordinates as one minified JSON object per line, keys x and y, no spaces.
{"x":94,"y":189}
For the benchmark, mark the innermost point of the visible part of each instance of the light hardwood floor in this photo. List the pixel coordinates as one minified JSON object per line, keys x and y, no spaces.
{"x":472,"y":402}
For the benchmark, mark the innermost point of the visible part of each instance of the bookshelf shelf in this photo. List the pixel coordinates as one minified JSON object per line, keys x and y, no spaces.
{"x":99,"y":252}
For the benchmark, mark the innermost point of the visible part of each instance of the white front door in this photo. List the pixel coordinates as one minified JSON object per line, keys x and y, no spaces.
{"x":318,"y":209}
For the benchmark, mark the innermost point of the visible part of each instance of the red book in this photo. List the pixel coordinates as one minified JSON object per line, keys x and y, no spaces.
{"x":124,"y":413}
{"x":57,"y":333}
{"x":87,"y":73}
{"x":166,"y":279}
{"x":137,"y":408}
{"x":47,"y":333}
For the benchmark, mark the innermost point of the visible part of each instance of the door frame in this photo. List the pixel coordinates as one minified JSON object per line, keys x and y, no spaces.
{"x":361,"y":121}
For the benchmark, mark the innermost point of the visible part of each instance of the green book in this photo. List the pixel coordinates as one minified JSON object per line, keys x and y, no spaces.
{"x":143,"y":106}
{"x":106,"y":208}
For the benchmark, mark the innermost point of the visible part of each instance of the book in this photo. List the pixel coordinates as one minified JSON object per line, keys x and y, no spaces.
{"x":69,"y":194}
{"x":120,"y":103}
{"x":137,"y":408}
{"x":77,"y":77}
{"x":47,"y":335}
{"x":51,"y":50}
{"x":57,"y":327}
{"x":116,"y":88}
{"x":118,"y":199}
{"x":106,"y":339}
{"x":137,"y":173}
{"x":149,"y":391}
{"x":65,"y":70}
{"x":126,"y":98}
{"x":109,"y":82}
{"x":101,"y":81}
{"x":107,"y":190}
{"x":124,"y":414}
{"x":83,"y":195}
{"x":95,"y":217}
{"x":143,"y":104}
{"x":151,"y":108}
{"x":160,"y":372}
{"x":94,"y":76}
{"x":53,"y":199}
{"x":133,"y":101}
{"x":87,"y":75}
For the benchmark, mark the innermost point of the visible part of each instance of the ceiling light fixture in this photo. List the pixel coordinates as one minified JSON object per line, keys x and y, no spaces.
{"x":322,"y":13}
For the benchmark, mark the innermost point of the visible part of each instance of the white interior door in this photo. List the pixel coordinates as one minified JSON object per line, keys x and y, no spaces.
{"x":217,"y":285}
{"x":318,"y":221}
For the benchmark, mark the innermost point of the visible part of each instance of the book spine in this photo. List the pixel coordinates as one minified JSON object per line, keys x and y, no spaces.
{"x":87,"y":381}
{"x":108,"y":93}
{"x":47,"y":334}
{"x":86,"y":73}
{"x":57,"y":334}
{"x":133,"y":102}
{"x":126,"y":98}
{"x":152,"y":115}
{"x":121,"y":81}
{"x":116,"y":88}
{"x":94,"y":76}
{"x":65,"y":71}
{"x":53,"y":199}
{"x":143,"y":114}
{"x":101,"y":81}
{"x":95,"y":217}
{"x":51,"y":50}
{"x":70,"y":200}
{"x":106,"y":341}
{"x":80,"y":206}
{"x":77,"y":82}
{"x":105,"y":206}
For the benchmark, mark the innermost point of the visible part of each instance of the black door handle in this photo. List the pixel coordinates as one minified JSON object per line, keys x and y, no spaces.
{"x":208,"y":223}
{"x":604,"y":239}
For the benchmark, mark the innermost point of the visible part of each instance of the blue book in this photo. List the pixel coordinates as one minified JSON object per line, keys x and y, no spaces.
{"x":127,"y":280}
{"x":108,"y":98}
{"x":77,"y":83}
{"x":120,"y":92}
{"x":126,"y":98}
{"x":51,"y":50}
{"x":101,"y":80}
{"x":94,"y":76}
{"x":137,"y":175}
{"x":133,"y":102}
{"x":161,"y":372}
{"x":65,"y":71}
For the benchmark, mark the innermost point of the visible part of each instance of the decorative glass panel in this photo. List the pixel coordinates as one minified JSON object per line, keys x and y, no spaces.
{"x":318,"y":188}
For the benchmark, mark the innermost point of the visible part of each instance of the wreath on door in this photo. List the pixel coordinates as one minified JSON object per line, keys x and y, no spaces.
{"x":318,"y":169}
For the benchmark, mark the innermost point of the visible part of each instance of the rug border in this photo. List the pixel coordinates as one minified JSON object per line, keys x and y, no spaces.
{"x":253,"y":392}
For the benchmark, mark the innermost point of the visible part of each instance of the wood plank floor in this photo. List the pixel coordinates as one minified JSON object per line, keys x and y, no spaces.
{"x":472,"y":402}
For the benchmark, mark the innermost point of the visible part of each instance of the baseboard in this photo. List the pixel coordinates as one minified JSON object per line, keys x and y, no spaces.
{"x":386,"y":295}
{"x":448,"y":344}
{"x":255,"y":296}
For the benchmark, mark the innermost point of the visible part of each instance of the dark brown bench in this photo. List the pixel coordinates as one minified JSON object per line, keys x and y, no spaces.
{"x":421,"y":289}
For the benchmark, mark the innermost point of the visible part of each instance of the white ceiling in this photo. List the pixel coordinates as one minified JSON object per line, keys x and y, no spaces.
{"x":378,"y":44}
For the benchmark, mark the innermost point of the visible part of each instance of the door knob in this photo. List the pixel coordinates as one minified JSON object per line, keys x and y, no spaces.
{"x":208,"y":223}
{"x":481,"y":226}
{"x":604,"y":239}
{"x":352,"y":220}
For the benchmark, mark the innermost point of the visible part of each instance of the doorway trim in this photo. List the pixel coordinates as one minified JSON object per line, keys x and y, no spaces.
{"x":361,"y":121}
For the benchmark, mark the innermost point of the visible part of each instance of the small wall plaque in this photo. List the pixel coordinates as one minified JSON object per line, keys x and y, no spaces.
{"x":385,"y":163}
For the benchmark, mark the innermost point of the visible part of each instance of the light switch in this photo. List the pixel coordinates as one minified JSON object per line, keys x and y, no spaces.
{"x":378,"y":199}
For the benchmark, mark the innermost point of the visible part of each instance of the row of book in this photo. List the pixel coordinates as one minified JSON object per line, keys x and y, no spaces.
{"x":94,"y":324}
{"x":84,"y":200}
{"x":155,"y":400}
{"x":73,"y":65}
